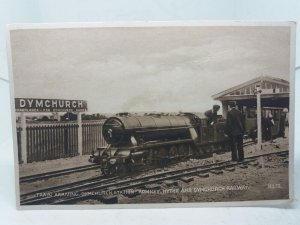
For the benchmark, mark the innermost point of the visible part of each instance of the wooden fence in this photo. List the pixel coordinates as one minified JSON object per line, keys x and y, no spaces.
{"x":59,"y":140}
{"x":92,"y":136}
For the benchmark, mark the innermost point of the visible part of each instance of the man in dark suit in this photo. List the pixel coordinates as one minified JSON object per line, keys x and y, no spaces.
{"x":282,"y":123}
{"x":235,"y":128}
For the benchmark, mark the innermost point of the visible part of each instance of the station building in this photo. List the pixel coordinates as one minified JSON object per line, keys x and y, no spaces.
{"x":274,"y":93}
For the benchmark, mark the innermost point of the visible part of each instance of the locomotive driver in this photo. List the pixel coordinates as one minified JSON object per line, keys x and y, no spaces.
{"x":212,"y":115}
{"x":235,"y":128}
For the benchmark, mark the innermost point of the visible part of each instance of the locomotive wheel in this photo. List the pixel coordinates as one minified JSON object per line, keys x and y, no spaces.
{"x":182,"y":151}
{"x":213,"y":148}
{"x":130,"y":168}
{"x":154,"y":156}
{"x":173,"y":152}
{"x":104,"y":172}
{"x":209,"y":150}
{"x":163,"y":162}
{"x":130,"y":165}
{"x":227,"y":147}
{"x":200,"y":152}
{"x":109,"y":171}
{"x":160,"y":156}
{"x":148,"y":160}
{"x":186,"y":152}
{"x":121,"y":170}
{"x":220,"y":148}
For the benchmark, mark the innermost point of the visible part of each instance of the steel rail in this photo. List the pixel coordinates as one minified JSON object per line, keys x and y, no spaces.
{"x":151,"y":179}
{"x":33,"y":197}
{"x":138,"y":182}
{"x":57,"y":173}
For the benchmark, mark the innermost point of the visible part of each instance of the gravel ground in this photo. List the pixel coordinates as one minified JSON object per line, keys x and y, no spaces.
{"x":56,"y":181}
{"x":52,"y":165}
{"x":252,"y":183}
{"x":270,"y":182}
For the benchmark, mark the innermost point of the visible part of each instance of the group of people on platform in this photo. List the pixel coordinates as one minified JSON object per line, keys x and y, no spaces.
{"x":235,"y":127}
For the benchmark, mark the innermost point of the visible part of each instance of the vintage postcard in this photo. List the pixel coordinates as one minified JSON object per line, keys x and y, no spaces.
{"x":152,"y":114}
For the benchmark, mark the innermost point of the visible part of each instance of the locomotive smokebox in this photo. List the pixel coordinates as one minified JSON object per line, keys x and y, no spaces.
{"x":113,"y":131}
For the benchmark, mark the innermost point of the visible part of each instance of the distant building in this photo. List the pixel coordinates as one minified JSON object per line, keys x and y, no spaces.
{"x":275,"y":93}
{"x":55,"y":116}
{"x":68,"y":117}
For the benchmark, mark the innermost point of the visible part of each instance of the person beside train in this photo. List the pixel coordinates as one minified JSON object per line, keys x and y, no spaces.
{"x":264,"y":128}
{"x":235,"y":128}
{"x":267,"y":124}
{"x":282,"y":123}
{"x":212,"y":115}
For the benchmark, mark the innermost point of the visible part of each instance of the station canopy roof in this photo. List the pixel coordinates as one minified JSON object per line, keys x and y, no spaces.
{"x":271,"y":88}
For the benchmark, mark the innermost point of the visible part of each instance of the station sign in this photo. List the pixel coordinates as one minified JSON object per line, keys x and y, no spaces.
{"x":49,"y":105}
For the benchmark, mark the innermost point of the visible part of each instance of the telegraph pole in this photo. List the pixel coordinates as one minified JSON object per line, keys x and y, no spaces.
{"x":258,"y":101}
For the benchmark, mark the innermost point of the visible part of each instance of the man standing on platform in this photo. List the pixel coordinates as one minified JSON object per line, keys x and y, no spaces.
{"x":282,"y":123}
{"x":235,"y":128}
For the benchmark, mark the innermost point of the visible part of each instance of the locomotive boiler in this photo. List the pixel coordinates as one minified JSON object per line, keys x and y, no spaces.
{"x":156,"y":139}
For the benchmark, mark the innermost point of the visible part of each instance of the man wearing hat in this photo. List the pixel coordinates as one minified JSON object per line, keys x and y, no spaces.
{"x":282,"y":123}
{"x":212,"y":115}
{"x":268,"y":127}
{"x":235,"y":128}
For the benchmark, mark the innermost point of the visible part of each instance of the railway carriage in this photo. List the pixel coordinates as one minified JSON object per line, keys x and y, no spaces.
{"x":251,"y":122}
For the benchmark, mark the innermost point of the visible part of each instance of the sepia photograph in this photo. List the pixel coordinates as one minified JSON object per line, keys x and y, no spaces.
{"x":153,"y":114}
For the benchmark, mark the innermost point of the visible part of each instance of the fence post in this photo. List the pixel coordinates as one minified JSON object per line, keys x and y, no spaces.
{"x":23,"y":138}
{"x":79,"y":122}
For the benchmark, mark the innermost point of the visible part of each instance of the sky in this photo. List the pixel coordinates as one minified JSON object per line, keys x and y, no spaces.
{"x":134,"y":69}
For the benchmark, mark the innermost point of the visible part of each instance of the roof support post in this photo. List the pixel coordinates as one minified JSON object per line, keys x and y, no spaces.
{"x":258,"y":99}
{"x":225,"y":108}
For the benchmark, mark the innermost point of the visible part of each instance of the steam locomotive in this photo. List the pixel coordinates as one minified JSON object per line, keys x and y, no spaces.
{"x":157,"y":139}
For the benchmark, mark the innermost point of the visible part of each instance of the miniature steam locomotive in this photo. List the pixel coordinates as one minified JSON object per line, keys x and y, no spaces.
{"x":156,"y":139}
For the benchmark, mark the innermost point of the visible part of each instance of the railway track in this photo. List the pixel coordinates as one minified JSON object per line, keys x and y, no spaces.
{"x":43,"y":176}
{"x":43,"y":195}
{"x":247,"y":143}
{"x":117,"y":184}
